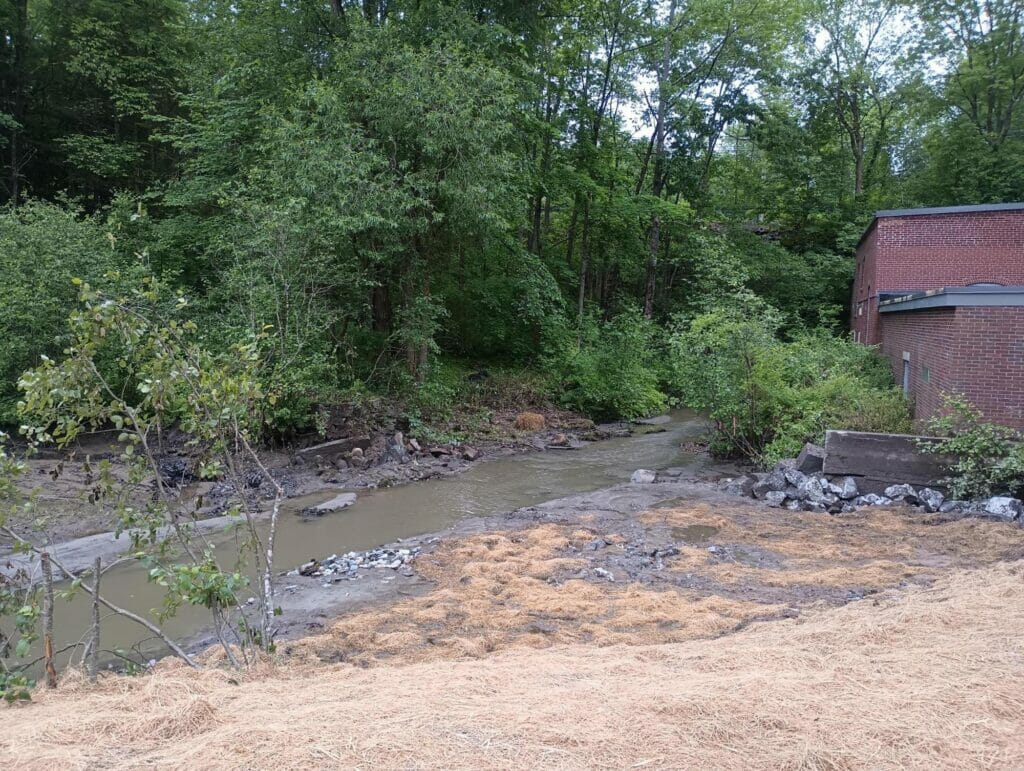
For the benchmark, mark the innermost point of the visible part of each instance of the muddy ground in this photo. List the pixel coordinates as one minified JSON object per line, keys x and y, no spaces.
{"x":632,"y":564}
{"x":62,"y":482}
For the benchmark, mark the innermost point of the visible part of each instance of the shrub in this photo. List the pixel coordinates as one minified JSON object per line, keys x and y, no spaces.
{"x":42,"y":248}
{"x":990,"y":458}
{"x":768,"y":397}
{"x":611,"y":372}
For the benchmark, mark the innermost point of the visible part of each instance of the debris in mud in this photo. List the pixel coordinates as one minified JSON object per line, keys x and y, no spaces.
{"x":337,"y":503}
{"x":347,"y":566}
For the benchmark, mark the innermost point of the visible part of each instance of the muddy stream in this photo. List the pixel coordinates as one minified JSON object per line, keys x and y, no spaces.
{"x":385,"y":515}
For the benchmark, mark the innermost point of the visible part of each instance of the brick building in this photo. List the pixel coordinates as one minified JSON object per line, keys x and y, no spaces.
{"x":941,"y":291}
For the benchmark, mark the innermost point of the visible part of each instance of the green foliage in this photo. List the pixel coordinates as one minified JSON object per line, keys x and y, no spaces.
{"x":19,"y":600}
{"x":164,"y":378}
{"x":989,"y":457}
{"x":768,"y":397}
{"x":611,"y":373}
{"x":42,"y":248}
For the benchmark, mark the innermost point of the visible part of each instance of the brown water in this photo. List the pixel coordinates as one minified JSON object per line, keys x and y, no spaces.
{"x":385,"y":515}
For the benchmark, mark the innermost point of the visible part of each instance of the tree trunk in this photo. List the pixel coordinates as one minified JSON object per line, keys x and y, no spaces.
{"x":51,"y":669}
{"x":660,"y":173}
{"x":584,"y":268}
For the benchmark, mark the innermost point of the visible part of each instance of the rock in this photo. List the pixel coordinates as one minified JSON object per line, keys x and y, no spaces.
{"x":743,"y":485}
{"x":817,"y":507}
{"x":795,"y":477}
{"x":558,"y":440}
{"x":176,"y":471}
{"x":394,"y":450}
{"x":356,"y":453}
{"x":794,"y":505}
{"x":871,"y":500}
{"x":902,"y":493}
{"x":932,"y":500}
{"x":785,"y":465}
{"x":471,"y":454}
{"x":771,"y":482}
{"x":530,"y":421}
{"x":337,"y":503}
{"x":775,"y":498}
{"x":414,"y":446}
{"x":954,"y":507}
{"x":810,"y":459}
{"x":643,"y":476}
{"x":813,"y":489}
{"x":846,"y":488}
{"x":1004,"y":508}
{"x":437,"y":452}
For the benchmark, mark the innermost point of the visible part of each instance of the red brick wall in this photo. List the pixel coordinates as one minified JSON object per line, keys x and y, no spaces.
{"x":930,"y":251}
{"x":930,"y":339}
{"x":975,"y":351}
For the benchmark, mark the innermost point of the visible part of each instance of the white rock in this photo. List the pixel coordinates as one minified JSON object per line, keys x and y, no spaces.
{"x":643,"y":476}
{"x":1004,"y":508}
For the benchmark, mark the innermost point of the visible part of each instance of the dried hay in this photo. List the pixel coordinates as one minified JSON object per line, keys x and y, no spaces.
{"x":925,"y":678}
{"x":496,"y":590}
{"x":874,"y":548}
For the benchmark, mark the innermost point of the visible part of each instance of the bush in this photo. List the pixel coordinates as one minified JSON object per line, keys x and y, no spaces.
{"x":612,"y":372}
{"x":768,"y":397}
{"x":990,"y":458}
{"x":42,"y":248}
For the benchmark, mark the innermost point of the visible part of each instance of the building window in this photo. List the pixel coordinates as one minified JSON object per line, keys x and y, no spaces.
{"x":906,"y":374}
{"x":926,"y":375}
{"x":860,"y":309}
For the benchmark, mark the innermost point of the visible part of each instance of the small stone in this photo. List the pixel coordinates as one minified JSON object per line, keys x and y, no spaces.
{"x":953,"y":507}
{"x":1004,"y":508}
{"x":605,"y":574}
{"x":795,"y":505}
{"x":357,"y":452}
{"x":846,"y":488}
{"x":931,"y":500}
{"x":772,"y":481}
{"x":643,"y":476}
{"x":743,"y":485}
{"x":871,"y":499}
{"x":903,"y":493}
{"x":816,"y":507}
{"x":471,"y":454}
{"x":795,"y":477}
{"x":414,"y":446}
{"x":775,"y":498}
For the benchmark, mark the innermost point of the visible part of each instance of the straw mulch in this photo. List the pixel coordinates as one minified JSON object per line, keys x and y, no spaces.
{"x":925,"y":677}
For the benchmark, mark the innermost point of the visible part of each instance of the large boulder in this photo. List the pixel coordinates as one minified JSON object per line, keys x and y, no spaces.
{"x":775,"y":498}
{"x":643,"y":476}
{"x":811,"y":459}
{"x":1004,"y":508}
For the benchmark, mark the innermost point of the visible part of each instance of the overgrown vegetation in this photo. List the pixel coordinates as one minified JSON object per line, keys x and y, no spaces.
{"x":989,"y":458}
{"x":768,"y":396}
{"x":372,"y":189}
